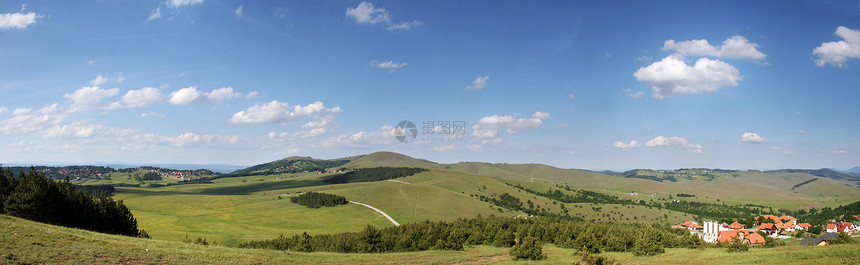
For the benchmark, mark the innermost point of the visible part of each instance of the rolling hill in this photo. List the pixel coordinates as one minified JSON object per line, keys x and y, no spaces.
{"x":236,"y":209}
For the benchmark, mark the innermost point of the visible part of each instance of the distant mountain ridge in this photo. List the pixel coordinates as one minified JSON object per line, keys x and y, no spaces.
{"x":824,"y":173}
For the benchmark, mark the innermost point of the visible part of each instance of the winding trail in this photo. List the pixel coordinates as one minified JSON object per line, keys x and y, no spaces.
{"x":378,"y":211}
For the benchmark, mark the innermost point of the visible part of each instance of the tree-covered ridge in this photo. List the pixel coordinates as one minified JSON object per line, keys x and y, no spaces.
{"x":803,"y":183}
{"x":290,"y":165}
{"x":680,"y":174}
{"x":700,"y":209}
{"x":65,"y":171}
{"x":594,"y":237}
{"x":824,"y":173}
{"x":511,"y":203}
{"x":317,"y":200}
{"x":168,"y":171}
{"x":374,"y":174}
{"x":820,"y":217}
{"x":34,"y":197}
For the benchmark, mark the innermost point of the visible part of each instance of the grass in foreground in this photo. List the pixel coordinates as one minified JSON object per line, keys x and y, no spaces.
{"x":26,"y":242}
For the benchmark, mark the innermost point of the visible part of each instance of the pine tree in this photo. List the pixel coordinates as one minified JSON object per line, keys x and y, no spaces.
{"x":34,"y":198}
{"x":528,"y":248}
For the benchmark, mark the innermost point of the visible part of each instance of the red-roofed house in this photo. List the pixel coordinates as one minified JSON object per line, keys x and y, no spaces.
{"x":831,"y":228}
{"x":745,"y":235}
{"x":728,"y":235}
{"x":754,"y":239}
{"x":768,"y":228}
{"x":689,"y":225}
{"x":846,"y":227}
{"x":736,"y":226}
{"x":803,"y":226}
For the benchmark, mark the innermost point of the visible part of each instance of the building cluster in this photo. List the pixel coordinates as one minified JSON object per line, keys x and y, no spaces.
{"x":770,"y":225}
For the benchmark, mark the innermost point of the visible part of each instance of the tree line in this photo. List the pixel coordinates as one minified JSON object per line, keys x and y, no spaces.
{"x":373,"y":174}
{"x":34,"y":197}
{"x":701,"y":209}
{"x":316,"y":200}
{"x":593,"y":237}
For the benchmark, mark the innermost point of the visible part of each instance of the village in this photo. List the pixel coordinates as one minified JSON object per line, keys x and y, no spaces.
{"x":783,"y":228}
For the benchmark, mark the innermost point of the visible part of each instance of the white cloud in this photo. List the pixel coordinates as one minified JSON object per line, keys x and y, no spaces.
{"x":152,"y":114}
{"x":191,"y":95}
{"x":252,"y":94}
{"x":77,"y":130}
{"x":752,"y":138}
{"x":488,"y":127}
{"x":222,"y":94}
{"x":571,"y":96}
{"x":89,"y":97}
{"x":837,"y":150}
{"x":622,"y":145}
{"x":17,"y":20}
{"x":190,"y":139}
{"x":27,"y":121}
{"x":385,"y":136}
{"x":3,"y":110}
{"x":836,"y":53}
{"x":660,"y":141}
{"x":138,"y":98}
{"x":672,"y":76}
{"x":99,"y":80}
{"x":239,"y":10}
{"x":775,"y":148}
{"x":388,"y":65}
{"x":479,"y":83}
{"x":637,"y":95}
{"x":365,"y":13}
{"x":674,"y":141}
{"x":404,"y":25}
{"x":186,"y":96}
{"x":181,"y":3}
{"x":156,"y":14}
{"x":734,"y":47}
{"x":275,"y":112}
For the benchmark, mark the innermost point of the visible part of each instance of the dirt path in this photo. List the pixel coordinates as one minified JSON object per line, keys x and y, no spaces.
{"x":378,"y":211}
{"x":486,"y":259}
{"x":399,"y":181}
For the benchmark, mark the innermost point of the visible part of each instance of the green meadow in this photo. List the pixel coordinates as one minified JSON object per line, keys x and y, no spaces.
{"x":26,"y":242}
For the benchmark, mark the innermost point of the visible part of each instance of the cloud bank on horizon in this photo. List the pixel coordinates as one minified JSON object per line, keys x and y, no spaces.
{"x":192,"y":81}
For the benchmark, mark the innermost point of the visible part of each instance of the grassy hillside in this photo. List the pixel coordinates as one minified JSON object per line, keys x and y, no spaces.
{"x":247,"y":208}
{"x":26,"y":242}
{"x":388,"y":159}
{"x":772,"y":189}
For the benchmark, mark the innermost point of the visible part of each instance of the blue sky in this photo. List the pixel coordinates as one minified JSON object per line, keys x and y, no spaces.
{"x":574,"y":84}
